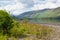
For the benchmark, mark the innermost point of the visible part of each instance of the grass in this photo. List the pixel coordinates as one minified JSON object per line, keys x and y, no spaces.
{"x":3,"y":37}
{"x":25,"y":29}
{"x":28,"y":30}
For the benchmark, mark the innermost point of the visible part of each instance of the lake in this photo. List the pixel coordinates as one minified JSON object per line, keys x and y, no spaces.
{"x":45,"y":20}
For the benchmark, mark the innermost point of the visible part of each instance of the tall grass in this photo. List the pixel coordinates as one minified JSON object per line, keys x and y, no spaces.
{"x":25,"y":29}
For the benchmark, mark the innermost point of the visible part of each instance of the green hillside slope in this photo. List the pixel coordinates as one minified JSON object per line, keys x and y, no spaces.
{"x":53,"y":13}
{"x":46,"y":13}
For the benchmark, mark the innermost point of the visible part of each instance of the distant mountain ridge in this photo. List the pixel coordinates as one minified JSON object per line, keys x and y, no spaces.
{"x":45,"y":13}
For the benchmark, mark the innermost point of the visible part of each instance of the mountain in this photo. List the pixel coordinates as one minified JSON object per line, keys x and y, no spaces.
{"x":45,"y":13}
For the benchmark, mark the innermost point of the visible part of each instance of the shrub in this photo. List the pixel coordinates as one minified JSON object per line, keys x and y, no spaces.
{"x":3,"y":37}
{"x":5,"y":21}
{"x":17,"y":31}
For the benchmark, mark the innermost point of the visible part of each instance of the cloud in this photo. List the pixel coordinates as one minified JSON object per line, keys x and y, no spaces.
{"x":17,"y":11}
{"x":28,"y":3}
{"x":14,"y":7}
{"x":39,"y":1}
{"x":46,"y":4}
{"x":5,"y":3}
{"x":38,"y":7}
{"x":18,"y":6}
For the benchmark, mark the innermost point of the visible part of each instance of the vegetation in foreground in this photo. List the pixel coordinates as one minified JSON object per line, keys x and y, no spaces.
{"x":14,"y":30}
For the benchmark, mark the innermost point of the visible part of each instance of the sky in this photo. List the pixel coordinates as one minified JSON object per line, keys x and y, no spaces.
{"x":17,"y":7}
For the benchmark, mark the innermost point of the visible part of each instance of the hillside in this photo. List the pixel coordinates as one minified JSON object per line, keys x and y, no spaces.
{"x":45,"y":13}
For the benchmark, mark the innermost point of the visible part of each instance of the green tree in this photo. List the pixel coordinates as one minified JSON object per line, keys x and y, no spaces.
{"x":5,"y":21}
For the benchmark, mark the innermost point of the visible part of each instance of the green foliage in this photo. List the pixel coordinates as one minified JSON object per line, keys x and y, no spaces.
{"x":5,"y":21}
{"x":3,"y":37}
{"x":29,"y":28}
{"x":17,"y":30}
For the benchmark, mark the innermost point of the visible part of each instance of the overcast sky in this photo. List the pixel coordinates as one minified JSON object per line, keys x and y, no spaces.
{"x":18,"y":6}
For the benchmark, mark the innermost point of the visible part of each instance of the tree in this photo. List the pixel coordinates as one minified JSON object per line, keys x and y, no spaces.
{"x":5,"y":21}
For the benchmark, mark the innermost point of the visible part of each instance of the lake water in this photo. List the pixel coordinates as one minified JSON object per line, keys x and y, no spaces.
{"x":45,"y":20}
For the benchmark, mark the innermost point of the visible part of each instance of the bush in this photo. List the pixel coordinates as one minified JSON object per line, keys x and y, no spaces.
{"x":17,"y":31}
{"x":5,"y":21}
{"x":3,"y":37}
